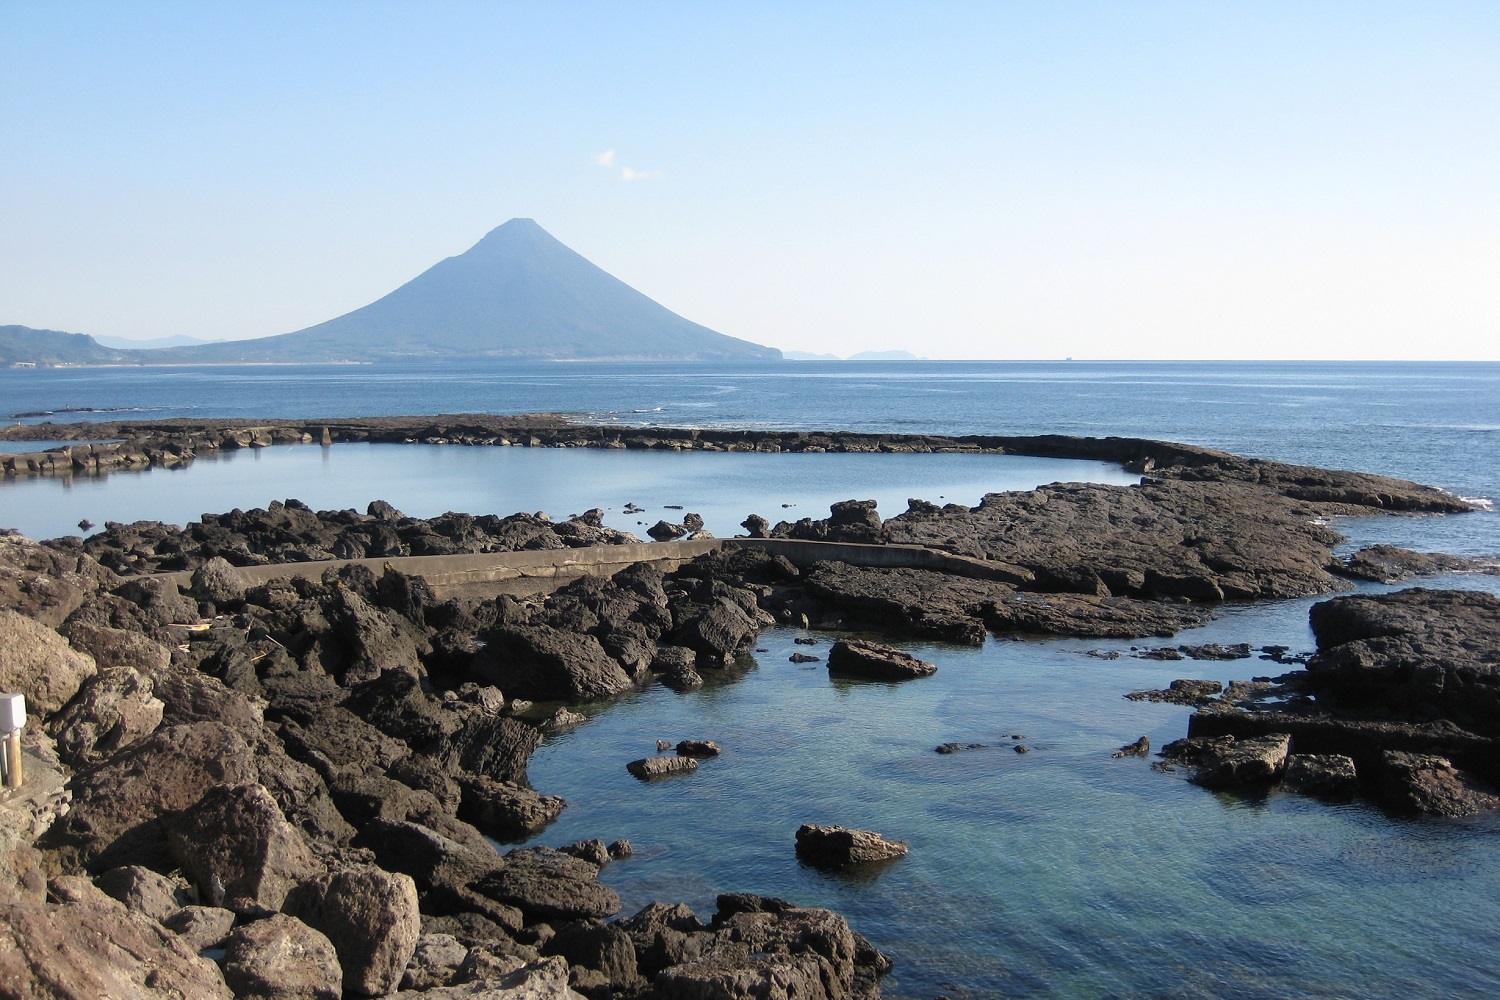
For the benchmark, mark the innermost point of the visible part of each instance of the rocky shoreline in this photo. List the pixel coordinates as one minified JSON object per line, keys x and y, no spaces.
{"x":305,"y":777}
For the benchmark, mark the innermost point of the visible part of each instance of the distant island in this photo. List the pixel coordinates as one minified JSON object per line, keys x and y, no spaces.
{"x":517,"y":294}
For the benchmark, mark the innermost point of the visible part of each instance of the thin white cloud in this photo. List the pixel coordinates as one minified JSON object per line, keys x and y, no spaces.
{"x":606,"y":158}
{"x":627,"y":174}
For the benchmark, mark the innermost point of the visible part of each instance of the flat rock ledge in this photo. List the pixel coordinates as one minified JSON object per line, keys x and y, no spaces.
{"x":838,"y":847}
{"x":856,"y":658}
{"x":1399,"y":704}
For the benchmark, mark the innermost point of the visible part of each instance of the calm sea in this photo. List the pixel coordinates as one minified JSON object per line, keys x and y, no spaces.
{"x":1059,"y":873}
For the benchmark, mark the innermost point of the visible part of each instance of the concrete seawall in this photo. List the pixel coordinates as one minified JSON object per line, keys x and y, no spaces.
{"x":489,"y":574}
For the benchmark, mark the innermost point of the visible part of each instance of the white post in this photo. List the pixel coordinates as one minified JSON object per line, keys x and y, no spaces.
{"x":12,"y":721}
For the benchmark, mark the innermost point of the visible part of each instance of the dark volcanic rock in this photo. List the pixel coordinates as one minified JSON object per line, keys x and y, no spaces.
{"x":370,"y":917}
{"x":1139,"y":748}
{"x":697,"y":748}
{"x":281,"y":958}
{"x":1432,"y":653}
{"x":1181,"y":692}
{"x":929,"y":604}
{"x":1388,"y":564}
{"x":506,"y":810}
{"x":848,"y":521}
{"x":1207,"y":541}
{"x":83,"y":951}
{"x":240,"y":850}
{"x":1327,"y":776}
{"x":48,"y":582}
{"x":118,"y":806}
{"x":1243,"y":762}
{"x":660,"y":767}
{"x":542,"y":663}
{"x":868,"y":659}
{"x":1425,"y":783}
{"x":545,"y":884}
{"x":836,"y":846}
{"x":39,"y":663}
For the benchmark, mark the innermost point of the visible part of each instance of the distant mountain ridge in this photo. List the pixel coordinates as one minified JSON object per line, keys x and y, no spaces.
{"x":516,"y":294}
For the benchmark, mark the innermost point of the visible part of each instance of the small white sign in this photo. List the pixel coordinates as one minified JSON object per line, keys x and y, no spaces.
{"x":12,"y":713}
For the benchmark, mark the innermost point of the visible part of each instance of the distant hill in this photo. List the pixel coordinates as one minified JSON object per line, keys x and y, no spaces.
{"x":518,"y":293}
{"x":126,"y":344}
{"x":25,"y":346}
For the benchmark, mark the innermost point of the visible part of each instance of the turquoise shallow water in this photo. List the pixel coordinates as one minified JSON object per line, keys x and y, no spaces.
{"x":1060,"y":873}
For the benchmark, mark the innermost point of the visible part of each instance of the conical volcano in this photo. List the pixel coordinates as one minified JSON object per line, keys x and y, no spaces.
{"x":518,"y":294}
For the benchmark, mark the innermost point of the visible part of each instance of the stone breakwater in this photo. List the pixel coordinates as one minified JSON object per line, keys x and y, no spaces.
{"x":142,"y":444}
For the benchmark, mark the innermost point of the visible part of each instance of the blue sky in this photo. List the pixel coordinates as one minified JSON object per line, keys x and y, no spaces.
{"x":961,"y":180}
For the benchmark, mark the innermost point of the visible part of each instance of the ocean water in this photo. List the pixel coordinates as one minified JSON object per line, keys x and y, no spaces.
{"x":1058,"y":873}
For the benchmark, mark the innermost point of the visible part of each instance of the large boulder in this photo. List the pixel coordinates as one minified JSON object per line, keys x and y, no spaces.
{"x":857,"y":658}
{"x":664,"y":935}
{"x":659,"y":767}
{"x":47,"y":582}
{"x":1325,"y":776}
{"x":716,"y":631}
{"x":429,"y":857}
{"x":157,"y":896}
{"x":117,"y":647}
{"x":606,"y":949}
{"x":370,"y":915}
{"x":118,"y":806}
{"x":763,"y":947}
{"x":495,"y":746}
{"x":506,"y":810}
{"x":217,"y":582}
{"x":112,"y":710}
{"x":85,"y":951}
{"x":240,"y":850}
{"x":546,"y":884}
{"x":39,"y":663}
{"x":542,"y":663}
{"x":281,"y":958}
{"x":375,"y":639}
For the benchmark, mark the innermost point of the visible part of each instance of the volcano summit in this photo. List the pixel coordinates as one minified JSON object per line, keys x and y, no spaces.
{"x":518,"y":293}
